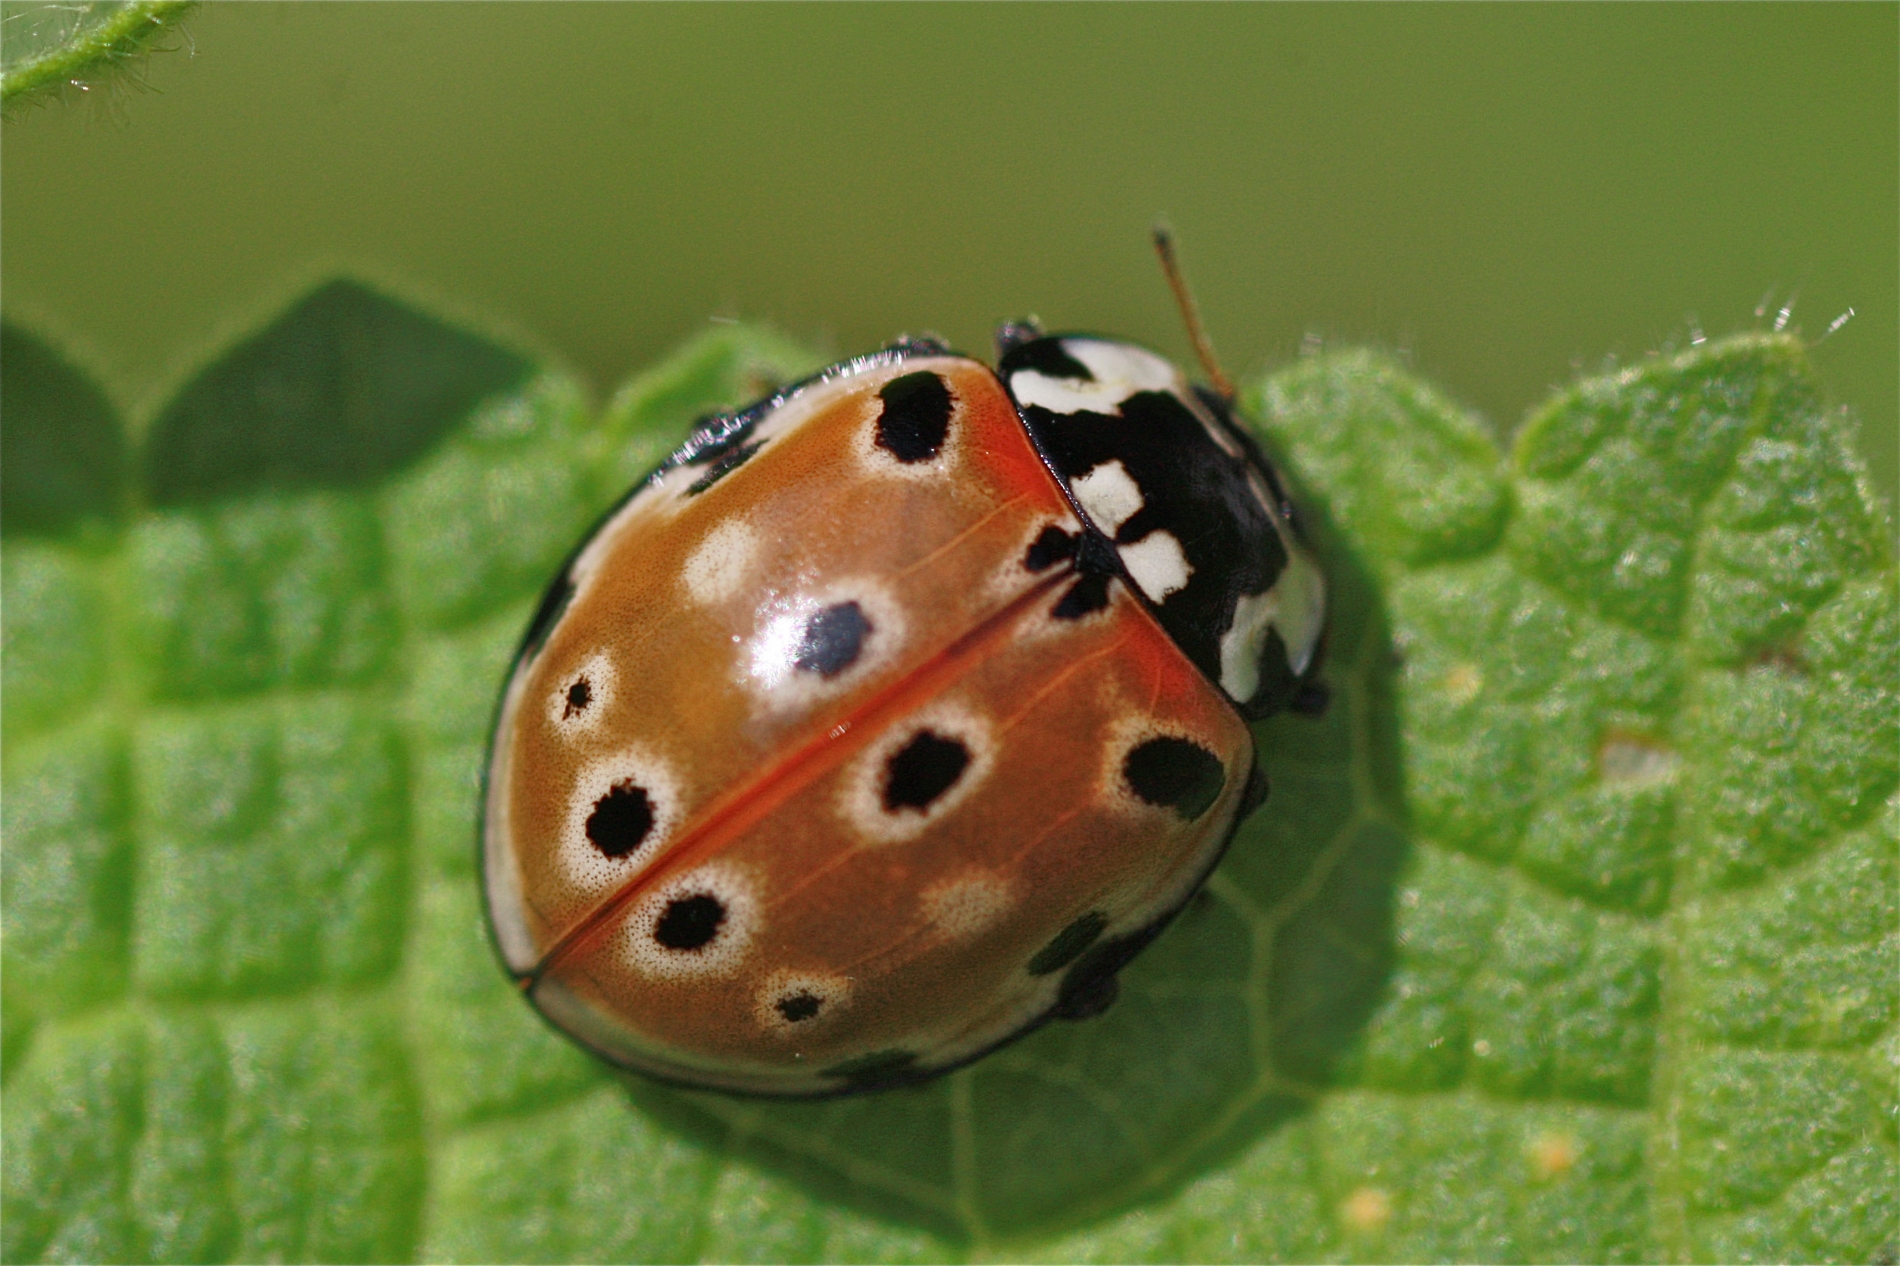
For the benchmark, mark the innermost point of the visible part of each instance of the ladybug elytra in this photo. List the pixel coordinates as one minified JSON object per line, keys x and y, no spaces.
{"x":893,"y":715}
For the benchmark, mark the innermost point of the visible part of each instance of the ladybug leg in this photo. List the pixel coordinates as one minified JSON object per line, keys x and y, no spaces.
{"x":1092,"y":984}
{"x":1310,"y":698}
{"x":1090,"y":987}
{"x":1255,"y":793}
{"x":1094,"y":996}
{"x":1310,"y":694}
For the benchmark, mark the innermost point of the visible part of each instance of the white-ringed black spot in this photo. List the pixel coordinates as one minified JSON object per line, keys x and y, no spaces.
{"x":1175,"y":773}
{"x":690,"y":923}
{"x":788,"y":1001}
{"x":916,"y":416}
{"x":699,"y":925}
{"x":832,"y":639}
{"x":922,"y":770}
{"x":1050,"y":547}
{"x":579,"y":695}
{"x":621,"y":819}
{"x":802,"y":1005}
{"x":1068,"y":944}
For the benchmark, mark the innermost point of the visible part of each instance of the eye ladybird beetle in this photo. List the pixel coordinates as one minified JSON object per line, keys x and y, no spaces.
{"x":893,"y":715}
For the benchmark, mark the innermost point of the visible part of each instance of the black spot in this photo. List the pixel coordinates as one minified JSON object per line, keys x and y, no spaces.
{"x":799,"y":1006}
{"x":621,"y":819}
{"x":1048,"y":357}
{"x":579,"y":695}
{"x":690,"y":922}
{"x":1175,"y":773}
{"x":832,"y":639}
{"x":1086,"y":595}
{"x":1068,"y":944}
{"x":1051,"y":547}
{"x":916,"y":416}
{"x":924,"y":769}
{"x":876,"y":1069}
{"x":728,"y":461}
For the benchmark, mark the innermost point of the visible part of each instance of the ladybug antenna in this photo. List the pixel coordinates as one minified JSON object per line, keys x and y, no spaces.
{"x":1190,"y":315}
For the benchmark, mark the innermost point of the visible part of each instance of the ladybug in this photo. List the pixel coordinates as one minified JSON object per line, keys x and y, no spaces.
{"x":891,"y":716}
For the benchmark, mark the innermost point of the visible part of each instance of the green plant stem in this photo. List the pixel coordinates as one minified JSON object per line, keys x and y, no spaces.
{"x":120,"y":36}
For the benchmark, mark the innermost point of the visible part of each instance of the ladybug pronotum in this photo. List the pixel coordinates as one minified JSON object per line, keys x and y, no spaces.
{"x":893,"y":715}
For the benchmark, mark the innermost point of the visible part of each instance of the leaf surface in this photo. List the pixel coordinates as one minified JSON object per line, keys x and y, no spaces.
{"x":1569,"y":932}
{"x":50,"y":45}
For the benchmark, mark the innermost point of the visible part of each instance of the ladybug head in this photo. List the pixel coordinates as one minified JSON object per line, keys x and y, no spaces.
{"x":1197,"y":519}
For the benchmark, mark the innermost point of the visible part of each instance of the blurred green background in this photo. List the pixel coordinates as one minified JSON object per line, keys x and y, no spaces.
{"x":1503,"y":193}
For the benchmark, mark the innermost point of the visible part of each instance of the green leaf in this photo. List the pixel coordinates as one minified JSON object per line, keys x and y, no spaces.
{"x":1569,"y":932}
{"x":50,"y":45}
